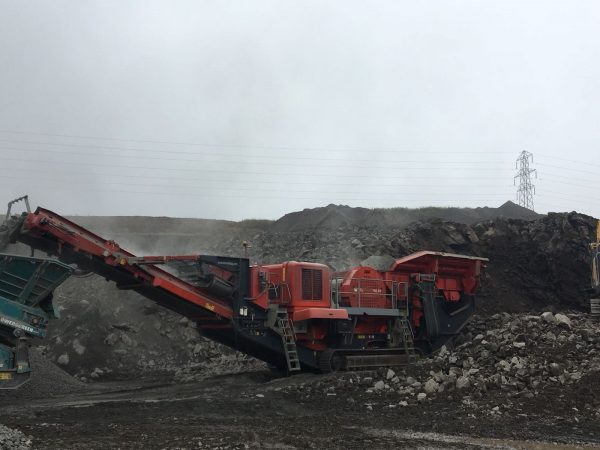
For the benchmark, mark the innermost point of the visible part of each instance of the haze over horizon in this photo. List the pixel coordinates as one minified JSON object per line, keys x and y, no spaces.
{"x":233,"y":110}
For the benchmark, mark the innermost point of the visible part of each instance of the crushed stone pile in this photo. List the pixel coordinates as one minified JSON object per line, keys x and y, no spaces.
{"x":13,"y":439}
{"x":47,"y":380}
{"x":546,"y":364}
{"x":108,"y":334}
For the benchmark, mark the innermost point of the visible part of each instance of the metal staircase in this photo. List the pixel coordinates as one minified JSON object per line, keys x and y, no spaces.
{"x":407,"y":338}
{"x":289,"y":340}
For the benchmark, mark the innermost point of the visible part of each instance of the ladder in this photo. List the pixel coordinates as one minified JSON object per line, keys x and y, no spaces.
{"x":407,"y":338}
{"x":289,"y":340}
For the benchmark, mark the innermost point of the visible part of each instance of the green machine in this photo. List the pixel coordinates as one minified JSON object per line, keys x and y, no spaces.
{"x":26,"y":286}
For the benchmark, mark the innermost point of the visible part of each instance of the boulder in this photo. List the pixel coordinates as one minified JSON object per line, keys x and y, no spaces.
{"x":554,"y":369}
{"x":431,"y":386}
{"x":78,"y":347}
{"x":63,"y":359}
{"x":563,"y":320}
{"x":548,"y":317}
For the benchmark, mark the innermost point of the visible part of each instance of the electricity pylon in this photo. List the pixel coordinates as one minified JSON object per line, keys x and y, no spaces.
{"x":526,"y":189}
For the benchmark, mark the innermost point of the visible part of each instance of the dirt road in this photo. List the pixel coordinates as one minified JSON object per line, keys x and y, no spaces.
{"x":254,"y":410}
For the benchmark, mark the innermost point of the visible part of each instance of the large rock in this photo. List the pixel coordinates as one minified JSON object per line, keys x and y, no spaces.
{"x":563,"y":320}
{"x":78,"y":347}
{"x":548,"y":317}
{"x":379,"y":385}
{"x":431,"y":386}
{"x":63,"y":359}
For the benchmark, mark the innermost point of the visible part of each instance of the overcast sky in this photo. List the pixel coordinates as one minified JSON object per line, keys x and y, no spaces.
{"x":251,"y":109}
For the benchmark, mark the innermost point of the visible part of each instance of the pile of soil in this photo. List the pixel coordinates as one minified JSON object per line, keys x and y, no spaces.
{"x":332,"y":217}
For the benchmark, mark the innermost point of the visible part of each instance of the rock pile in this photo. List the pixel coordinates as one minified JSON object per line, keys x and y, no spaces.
{"x":506,"y":362}
{"x":519,"y":355}
{"x":47,"y":380}
{"x":108,"y":334}
{"x":13,"y":439}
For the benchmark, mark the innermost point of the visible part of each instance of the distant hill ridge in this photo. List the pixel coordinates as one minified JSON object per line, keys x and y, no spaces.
{"x":327,"y":218}
{"x":336,"y":216}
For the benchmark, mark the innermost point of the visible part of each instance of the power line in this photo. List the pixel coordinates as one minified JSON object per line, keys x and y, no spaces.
{"x":594,"y":187}
{"x":268,"y":163}
{"x":567,"y":168}
{"x":316,"y":149}
{"x":562,"y":196}
{"x":244,"y":195}
{"x":170,"y":151}
{"x":196,"y":170}
{"x":586,"y":163}
{"x":252,"y":181}
{"x":208,"y":190}
{"x":525,"y":190}
{"x":192,"y":144}
{"x":71,"y":182}
{"x":549,"y":177}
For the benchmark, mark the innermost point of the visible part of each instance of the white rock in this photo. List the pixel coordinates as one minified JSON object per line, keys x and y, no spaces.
{"x":403,"y":403}
{"x":561,"y":319}
{"x":421,"y":396}
{"x":390,"y":374}
{"x":63,"y":359}
{"x":431,"y":386}
{"x":378,"y":386}
{"x":548,"y":317}
{"x":518,"y":344}
{"x":260,"y":395}
{"x":78,"y":347}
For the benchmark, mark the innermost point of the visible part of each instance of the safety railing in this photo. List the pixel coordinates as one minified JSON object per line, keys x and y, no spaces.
{"x":371,"y":293}
{"x":279,"y":294}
